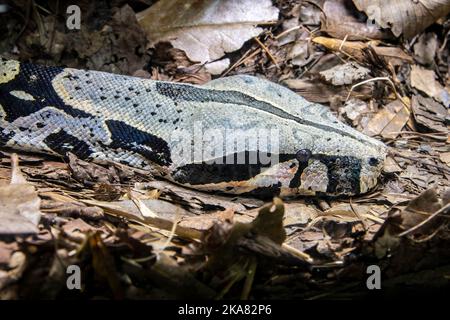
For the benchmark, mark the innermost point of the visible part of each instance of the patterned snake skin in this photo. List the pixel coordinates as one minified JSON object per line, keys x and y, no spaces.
{"x":215,"y":137}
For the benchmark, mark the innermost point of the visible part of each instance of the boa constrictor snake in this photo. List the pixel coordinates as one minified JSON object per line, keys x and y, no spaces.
{"x":138,"y":122}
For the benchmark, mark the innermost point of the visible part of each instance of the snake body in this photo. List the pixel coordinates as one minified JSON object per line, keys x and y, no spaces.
{"x":238,"y":135}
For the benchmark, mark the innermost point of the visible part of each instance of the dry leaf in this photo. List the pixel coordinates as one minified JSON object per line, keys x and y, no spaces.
{"x":396,"y":125}
{"x":391,"y":166}
{"x":445,"y":158}
{"x":355,"y":109}
{"x":405,"y":17}
{"x":388,"y":120}
{"x":420,"y":208}
{"x":118,"y":47}
{"x":19,"y":204}
{"x":301,"y":53}
{"x":429,"y":113}
{"x":341,"y":19}
{"x":197,"y":201}
{"x":315,"y":91}
{"x":347,"y":73}
{"x":425,"y":81}
{"x":356,"y":48}
{"x":206,"y":30}
{"x":425,"y":48}
{"x":72,"y":209}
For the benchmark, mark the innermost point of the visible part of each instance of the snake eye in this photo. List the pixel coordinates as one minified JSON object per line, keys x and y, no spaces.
{"x":303,"y":155}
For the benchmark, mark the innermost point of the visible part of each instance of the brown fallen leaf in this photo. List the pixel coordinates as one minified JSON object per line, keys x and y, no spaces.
{"x":445,"y":158}
{"x":347,"y":73}
{"x":90,"y":173}
{"x":104,"y":265}
{"x":429,"y":114}
{"x":228,"y":243}
{"x":391,"y":166}
{"x":19,"y":204}
{"x":78,"y":227}
{"x":425,"y":48}
{"x":356,"y":49}
{"x":391,"y":131}
{"x":388,"y":121}
{"x":425,"y":81}
{"x":341,"y":19}
{"x":420,"y":208}
{"x":419,"y":177}
{"x":404,"y":16}
{"x":196,"y":201}
{"x":72,"y":209}
{"x":206,"y":221}
{"x":315,"y":91}
{"x":206,"y":30}
{"x":119,"y":46}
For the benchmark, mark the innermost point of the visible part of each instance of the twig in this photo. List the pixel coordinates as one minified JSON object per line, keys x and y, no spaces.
{"x":267,"y":51}
{"x":376,"y":79}
{"x":241,"y":61}
{"x":441,"y":210}
{"x":304,"y":256}
{"x":285,"y":32}
{"x":363,"y":221}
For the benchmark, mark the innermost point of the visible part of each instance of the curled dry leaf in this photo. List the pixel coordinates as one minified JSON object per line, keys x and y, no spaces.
{"x":206,"y":30}
{"x":356,"y":49}
{"x":19,"y":204}
{"x":404,"y":16}
{"x":230,"y":243}
{"x":341,"y":19}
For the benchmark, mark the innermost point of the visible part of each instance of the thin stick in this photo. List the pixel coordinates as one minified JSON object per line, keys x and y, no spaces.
{"x":441,"y":210}
{"x":241,"y":61}
{"x":267,"y":51}
{"x":376,"y":79}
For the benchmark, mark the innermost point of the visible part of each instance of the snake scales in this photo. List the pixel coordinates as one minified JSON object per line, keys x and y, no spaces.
{"x":185,"y":131}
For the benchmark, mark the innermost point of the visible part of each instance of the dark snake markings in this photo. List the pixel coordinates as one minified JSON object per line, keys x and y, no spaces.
{"x":35,"y":81}
{"x":129,"y":138}
{"x":343,"y":172}
{"x":61,"y":142}
{"x":178,"y":92}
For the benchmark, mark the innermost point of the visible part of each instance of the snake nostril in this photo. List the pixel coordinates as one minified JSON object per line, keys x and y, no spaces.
{"x":373,"y":161}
